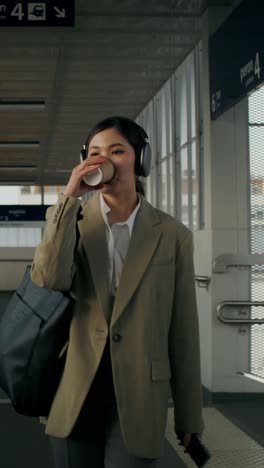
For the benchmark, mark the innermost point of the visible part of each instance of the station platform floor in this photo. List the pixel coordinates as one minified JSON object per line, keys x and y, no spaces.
{"x":234,"y":431}
{"x":234,"y":435}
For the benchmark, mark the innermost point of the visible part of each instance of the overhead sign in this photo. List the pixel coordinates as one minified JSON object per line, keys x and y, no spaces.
{"x":45,"y":13}
{"x":18,"y":213}
{"x":236,"y":56}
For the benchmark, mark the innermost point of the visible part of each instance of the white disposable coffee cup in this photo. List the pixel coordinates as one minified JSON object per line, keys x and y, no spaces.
{"x":102,"y":175}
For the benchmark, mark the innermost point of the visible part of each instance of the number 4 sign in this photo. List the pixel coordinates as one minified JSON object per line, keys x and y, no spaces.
{"x":45,"y":13}
{"x":18,"y":11}
{"x":35,"y":11}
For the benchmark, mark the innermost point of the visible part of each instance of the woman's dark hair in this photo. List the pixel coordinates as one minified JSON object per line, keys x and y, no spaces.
{"x":130,"y":130}
{"x":140,"y":187}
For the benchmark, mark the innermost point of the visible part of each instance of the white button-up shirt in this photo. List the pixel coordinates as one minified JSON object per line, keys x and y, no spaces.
{"x":118,"y":236}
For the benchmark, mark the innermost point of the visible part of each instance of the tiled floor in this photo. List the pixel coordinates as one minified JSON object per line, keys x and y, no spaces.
{"x":232,"y":433}
{"x":230,"y":447}
{"x":248,"y":416}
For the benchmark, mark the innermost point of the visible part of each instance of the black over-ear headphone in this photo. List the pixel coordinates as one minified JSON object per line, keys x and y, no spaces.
{"x":143,"y":156}
{"x":143,"y":153}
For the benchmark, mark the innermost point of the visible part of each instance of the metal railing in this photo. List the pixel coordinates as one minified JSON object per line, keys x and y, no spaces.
{"x":222,"y":262}
{"x":235,"y":304}
{"x":202,"y":281}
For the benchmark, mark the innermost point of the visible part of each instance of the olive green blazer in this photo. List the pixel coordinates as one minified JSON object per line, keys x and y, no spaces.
{"x":154,"y":317}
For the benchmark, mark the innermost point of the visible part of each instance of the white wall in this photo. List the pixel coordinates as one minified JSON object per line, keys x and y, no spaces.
{"x":203,"y":238}
{"x":229,"y":196}
{"x":224,"y":348}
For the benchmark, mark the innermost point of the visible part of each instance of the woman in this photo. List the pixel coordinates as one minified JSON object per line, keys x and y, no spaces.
{"x":134,"y":332}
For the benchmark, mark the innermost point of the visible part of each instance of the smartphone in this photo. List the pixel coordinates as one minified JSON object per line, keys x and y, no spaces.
{"x":197,"y":451}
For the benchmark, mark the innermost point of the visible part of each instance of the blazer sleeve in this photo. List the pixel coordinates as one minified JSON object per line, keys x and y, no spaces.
{"x":53,"y":263}
{"x":184,"y":346}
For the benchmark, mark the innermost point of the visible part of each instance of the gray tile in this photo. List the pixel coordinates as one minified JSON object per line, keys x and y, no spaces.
{"x":230,"y":446}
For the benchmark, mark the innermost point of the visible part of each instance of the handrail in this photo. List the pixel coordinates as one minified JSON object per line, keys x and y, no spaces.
{"x":223,"y":261}
{"x":202,"y":281}
{"x":223,"y":319}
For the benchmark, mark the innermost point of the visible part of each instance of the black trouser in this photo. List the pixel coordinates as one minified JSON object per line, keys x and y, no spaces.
{"x":96,"y":440}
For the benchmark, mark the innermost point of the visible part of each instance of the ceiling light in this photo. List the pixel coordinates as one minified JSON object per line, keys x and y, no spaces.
{"x":19,"y":144}
{"x":20,"y":167}
{"x":21,"y":105}
{"x":63,"y":170}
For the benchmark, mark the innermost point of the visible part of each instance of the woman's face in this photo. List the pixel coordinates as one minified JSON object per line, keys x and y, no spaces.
{"x":112,"y":145}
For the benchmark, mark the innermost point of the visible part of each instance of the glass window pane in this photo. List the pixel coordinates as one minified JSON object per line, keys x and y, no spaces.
{"x":164,"y":187}
{"x":148,"y":190}
{"x":172,"y":187}
{"x":20,"y":236}
{"x":20,"y":195}
{"x":194,"y":187}
{"x":183,"y":109}
{"x":169,"y":119}
{"x":163,"y":124}
{"x":149,"y":122}
{"x":51,"y":193}
{"x":192,"y":99}
{"x":184,"y":187}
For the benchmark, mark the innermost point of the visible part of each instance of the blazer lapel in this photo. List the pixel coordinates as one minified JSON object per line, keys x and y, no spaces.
{"x":92,"y":232}
{"x":143,"y":243}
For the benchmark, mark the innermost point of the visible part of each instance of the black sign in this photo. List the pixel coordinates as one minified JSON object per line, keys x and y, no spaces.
{"x":23,"y":213}
{"x":236,"y":56}
{"x":43,"y":13}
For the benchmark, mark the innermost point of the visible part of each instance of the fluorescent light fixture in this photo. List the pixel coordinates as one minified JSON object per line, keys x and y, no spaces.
{"x":63,"y":170}
{"x":19,"y":167}
{"x":19,"y":144}
{"x":21,"y":105}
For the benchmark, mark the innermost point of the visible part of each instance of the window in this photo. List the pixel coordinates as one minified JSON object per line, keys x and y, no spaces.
{"x":20,"y":236}
{"x":28,"y":233}
{"x":20,"y":195}
{"x":51,"y":193}
{"x":174,"y":184}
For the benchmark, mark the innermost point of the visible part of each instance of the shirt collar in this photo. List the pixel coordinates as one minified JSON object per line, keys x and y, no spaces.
{"x":129,"y":222}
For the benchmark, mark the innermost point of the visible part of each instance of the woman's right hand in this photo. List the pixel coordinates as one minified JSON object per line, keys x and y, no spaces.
{"x":76,"y":186}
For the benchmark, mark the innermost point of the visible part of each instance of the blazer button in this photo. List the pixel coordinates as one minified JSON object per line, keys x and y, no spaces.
{"x":116,"y":337}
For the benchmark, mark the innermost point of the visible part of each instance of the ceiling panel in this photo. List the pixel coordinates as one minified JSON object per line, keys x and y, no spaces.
{"x":112,"y":62}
